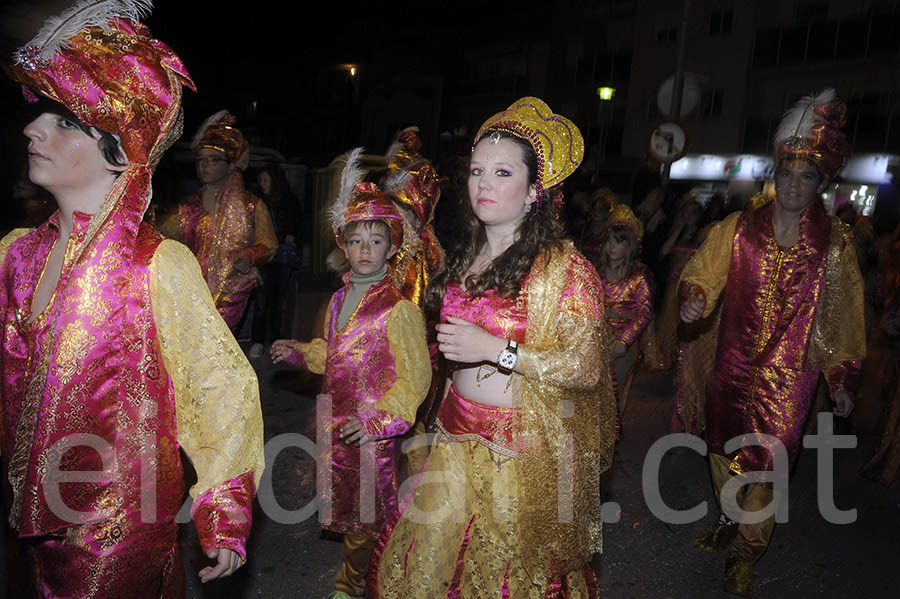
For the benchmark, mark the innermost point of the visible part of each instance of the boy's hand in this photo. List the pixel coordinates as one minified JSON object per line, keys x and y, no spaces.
{"x":286,"y":350}
{"x":352,"y":432}
{"x":227,"y":561}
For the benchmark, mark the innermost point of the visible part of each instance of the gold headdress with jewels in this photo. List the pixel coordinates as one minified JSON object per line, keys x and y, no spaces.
{"x":623,"y":216}
{"x":556,"y":140}
{"x":811,"y":131}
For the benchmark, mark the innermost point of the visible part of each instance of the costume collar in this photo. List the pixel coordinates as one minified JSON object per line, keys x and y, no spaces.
{"x":815,"y":227}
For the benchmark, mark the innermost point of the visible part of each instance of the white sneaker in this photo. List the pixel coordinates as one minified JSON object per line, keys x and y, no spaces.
{"x":256,"y":351}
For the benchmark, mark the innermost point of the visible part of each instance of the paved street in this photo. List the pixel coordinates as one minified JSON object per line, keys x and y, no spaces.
{"x":644,"y":557}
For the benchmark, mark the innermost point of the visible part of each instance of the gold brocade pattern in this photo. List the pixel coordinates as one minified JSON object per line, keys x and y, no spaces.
{"x":205,"y":363}
{"x":315,"y":354}
{"x":474,"y":510}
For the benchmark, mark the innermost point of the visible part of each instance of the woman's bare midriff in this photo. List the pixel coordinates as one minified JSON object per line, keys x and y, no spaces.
{"x":484,"y":385}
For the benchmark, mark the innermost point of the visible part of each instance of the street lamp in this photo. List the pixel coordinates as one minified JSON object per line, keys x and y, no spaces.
{"x":606,"y":93}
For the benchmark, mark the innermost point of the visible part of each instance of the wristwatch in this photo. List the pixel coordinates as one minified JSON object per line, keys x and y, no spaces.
{"x":507,"y":359}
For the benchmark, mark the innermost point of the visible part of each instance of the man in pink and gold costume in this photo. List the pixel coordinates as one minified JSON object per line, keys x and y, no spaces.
{"x":792,"y":310}
{"x":229,"y":229}
{"x":119,"y":358}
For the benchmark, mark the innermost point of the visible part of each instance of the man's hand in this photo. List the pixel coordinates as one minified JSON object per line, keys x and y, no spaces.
{"x":843,"y":403}
{"x":243,"y":262}
{"x":619,"y":350}
{"x":692,"y":308}
{"x":227,"y":561}
{"x":353,"y":433}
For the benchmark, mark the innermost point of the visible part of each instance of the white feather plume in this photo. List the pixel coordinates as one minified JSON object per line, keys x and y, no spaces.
{"x":396,"y":181}
{"x":57,"y":32}
{"x":198,"y":137}
{"x":350,"y":176}
{"x":799,"y":120}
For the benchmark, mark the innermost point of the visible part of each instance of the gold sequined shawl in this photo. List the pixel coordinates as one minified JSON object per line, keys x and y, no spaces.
{"x":568,"y":414}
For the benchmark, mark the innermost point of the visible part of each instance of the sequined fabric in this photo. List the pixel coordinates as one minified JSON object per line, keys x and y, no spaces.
{"x":378,"y":369}
{"x":485,"y":523}
{"x":556,"y":140}
{"x":239,"y":221}
{"x":782,"y":324}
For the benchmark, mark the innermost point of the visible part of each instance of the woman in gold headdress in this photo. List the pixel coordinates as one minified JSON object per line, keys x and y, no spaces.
{"x":529,"y":402}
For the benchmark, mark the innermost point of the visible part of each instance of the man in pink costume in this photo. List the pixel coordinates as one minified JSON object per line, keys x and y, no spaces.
{"x":792,"y":309}
{"x":113,"y":356}
{"x":229,"y":229}
{"x":377,"y":371}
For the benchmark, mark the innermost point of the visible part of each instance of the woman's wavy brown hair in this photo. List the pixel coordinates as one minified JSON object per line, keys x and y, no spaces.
{"x":538,"y":231}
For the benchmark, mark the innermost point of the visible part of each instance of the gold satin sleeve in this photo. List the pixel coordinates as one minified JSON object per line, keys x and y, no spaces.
{"x":708,"y":267}
{"x":412,"y":362}
{"x":265,"y":231}
{"x":217,"y":406}
{"x":315,"y":353}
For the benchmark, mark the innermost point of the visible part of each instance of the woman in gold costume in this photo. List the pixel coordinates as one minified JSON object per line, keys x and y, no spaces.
{"x":507,"y":505}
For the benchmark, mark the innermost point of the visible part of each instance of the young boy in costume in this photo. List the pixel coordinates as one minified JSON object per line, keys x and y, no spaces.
{"x":377,"y":372}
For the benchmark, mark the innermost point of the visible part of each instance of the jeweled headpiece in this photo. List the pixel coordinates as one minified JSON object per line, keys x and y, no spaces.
{"x":622,"y":215}
{"x":219,"y":133}
{"x":106,"y":68}
{"x":811,"y":131}
{"x":411,"y":179}
{"x":556,"y":140}
{"x":357,"y":201}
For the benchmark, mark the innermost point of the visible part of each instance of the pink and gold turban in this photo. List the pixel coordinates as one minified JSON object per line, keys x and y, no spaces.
{"x":411,"y":179}
{"x":811,"y":131}
{"x":118,"y":79}
{"x":218,"y":133}
{"x":368,"y":203}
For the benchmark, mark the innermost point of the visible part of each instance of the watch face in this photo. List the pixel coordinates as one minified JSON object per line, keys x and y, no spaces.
{"x":507,"y":359}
